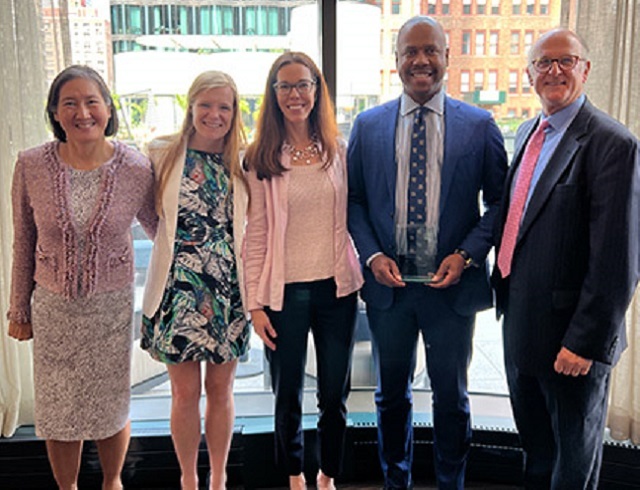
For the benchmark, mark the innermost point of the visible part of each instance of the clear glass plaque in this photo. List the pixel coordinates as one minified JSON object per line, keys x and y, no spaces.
{"x":418,"y":263}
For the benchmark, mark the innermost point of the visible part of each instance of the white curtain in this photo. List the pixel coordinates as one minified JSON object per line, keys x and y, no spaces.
{"x":22,"y":102}
{"x":612,"y":30}
{"x":624,"y":406}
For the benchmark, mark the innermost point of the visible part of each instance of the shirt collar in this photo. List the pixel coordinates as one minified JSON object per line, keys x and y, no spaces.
{"x":435,"y":104}
{"x":561,"y":120}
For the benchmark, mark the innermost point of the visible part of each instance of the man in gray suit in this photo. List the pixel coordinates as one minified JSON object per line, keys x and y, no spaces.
{"x":567,"y":266}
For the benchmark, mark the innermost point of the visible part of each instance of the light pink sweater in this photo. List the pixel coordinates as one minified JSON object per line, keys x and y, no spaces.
{"x":264,"y":250}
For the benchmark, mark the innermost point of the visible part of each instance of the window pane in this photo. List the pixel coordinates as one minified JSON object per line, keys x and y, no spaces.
{"x":464,"y":82}
{"x":466,"y":42}
{"x":493,"y":80}
{"x":517,"y":7}
{"x":493,"y":43}
{"x":478,"y":80}
{"x":148,"y":37}
{"x":515,"y":42}
{"x":480,"y":43}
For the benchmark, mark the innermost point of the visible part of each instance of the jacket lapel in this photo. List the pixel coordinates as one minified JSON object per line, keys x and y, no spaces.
{"x":560,"y":160}
{"x":172,"y":194}
{"x":385,"y":145}
{"x":453,"y":124}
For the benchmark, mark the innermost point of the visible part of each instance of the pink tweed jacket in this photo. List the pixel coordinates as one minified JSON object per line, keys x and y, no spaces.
{"x":45,"y":246}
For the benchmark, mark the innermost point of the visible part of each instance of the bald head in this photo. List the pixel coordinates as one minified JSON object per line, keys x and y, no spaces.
{"x":562,"y":33}
{"x":560,"y":70}
{"x":421,"y":57}
{"x":421,"y":19}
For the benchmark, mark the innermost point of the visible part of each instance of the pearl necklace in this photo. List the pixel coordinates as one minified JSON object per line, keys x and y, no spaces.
{"x":306,"y":154}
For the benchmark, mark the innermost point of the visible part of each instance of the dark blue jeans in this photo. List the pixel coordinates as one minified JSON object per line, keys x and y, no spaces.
{"x":447,"y":335}
{"x":312,"y":306}
{"x":560,"y":420}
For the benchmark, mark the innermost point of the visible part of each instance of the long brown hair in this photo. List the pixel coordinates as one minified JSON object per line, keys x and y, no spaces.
{"x":263,"y":155}
{"x":234,"y":140}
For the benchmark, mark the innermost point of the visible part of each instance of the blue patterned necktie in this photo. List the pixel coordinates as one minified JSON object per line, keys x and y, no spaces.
{"x":417,"y":196}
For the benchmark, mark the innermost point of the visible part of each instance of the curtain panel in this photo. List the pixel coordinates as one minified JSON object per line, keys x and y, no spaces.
{"x":22,"y":102}
{"x":612,"y":30}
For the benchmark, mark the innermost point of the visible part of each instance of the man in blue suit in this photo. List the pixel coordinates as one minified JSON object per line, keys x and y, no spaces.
{"x":465,"y":157}
{"x":567,"y":267}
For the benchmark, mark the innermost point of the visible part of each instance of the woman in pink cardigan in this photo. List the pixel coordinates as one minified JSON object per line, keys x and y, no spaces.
{"x":74,"y":201}
{"x":301,"y":268}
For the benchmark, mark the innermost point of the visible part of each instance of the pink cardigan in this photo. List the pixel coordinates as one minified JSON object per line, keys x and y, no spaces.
{"x":45,"y":242}
{"x":264,"y":252}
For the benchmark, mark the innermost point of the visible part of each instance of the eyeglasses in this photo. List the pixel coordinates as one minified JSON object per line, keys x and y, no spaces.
{"x":303,"y":87}
{"x":565,"y":63}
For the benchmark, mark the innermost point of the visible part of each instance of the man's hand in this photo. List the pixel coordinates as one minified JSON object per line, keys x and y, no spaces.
{"x":263,"y":328}
{"x":386,"y":271}
{"x":571,"y":364}
{"x":449,"y":272}
{"x":20,"y":331}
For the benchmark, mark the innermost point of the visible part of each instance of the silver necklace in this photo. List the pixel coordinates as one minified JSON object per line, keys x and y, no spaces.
{"x":306,"y":154}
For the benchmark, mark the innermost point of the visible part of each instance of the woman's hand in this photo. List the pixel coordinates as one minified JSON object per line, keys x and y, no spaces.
{"x":20,"y":331}
{"x":263,"y":328}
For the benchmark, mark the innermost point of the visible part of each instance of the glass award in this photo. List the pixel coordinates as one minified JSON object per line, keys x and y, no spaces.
{"x":418,"y":262}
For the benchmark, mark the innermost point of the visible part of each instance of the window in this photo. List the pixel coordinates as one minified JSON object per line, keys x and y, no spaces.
{"x":528,"y":41}
{"x":493,"y":43}
{"x":516,"y":9}
{"x":514,"y":46}
{"x":513,"y":82}
{"x":526,"y":114}
{"x":526,"y":86}
{"x":478,"y":80}
{"x":492,"y":82}
{"x":134,"y":20}
{"x":512,"y":113}
{"x":544,"y":7}
{"x":466,"y":42}
{"x":531,"y":7}
{"x":365,"y":78}
{"x":480,"y":35}
{"x":464,"y":81}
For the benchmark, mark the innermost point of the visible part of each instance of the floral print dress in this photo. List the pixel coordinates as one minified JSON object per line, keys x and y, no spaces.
{"x":201,"y":316}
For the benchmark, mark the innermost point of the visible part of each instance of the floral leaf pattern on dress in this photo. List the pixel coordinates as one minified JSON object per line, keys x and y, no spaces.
{"x":201,"y":316}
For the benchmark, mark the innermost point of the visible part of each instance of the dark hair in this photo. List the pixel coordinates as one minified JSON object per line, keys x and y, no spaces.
{"x":71,"y":73}
{"x":263,"y":155}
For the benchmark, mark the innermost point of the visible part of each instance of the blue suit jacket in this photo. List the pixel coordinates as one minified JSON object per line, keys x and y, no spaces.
{"x":474,"y":161}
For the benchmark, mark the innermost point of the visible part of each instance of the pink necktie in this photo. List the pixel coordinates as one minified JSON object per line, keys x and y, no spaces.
{"x":518,"y":199}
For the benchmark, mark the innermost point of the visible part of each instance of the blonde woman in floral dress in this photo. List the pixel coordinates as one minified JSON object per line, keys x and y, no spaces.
{"x":192,"y":306}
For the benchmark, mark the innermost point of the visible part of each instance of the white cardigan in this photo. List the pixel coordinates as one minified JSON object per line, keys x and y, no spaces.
{"x":162,"y":253}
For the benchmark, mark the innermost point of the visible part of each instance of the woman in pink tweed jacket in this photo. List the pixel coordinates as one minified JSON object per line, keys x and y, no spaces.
{"x":74,"y":201}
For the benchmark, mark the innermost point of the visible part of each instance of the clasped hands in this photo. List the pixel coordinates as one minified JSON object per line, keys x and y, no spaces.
{"x":386,"y":272}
